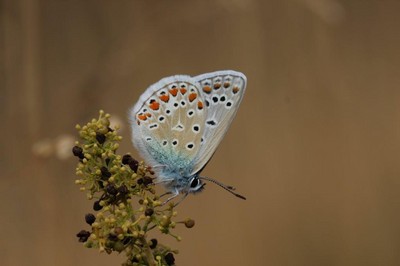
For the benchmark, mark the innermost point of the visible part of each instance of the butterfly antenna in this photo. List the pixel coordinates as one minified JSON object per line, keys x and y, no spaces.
{"x":227,"y":188}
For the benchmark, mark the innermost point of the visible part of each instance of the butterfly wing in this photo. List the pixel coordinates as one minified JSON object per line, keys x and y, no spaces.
{"x":222,"y":92}
{"x":168,"y":123}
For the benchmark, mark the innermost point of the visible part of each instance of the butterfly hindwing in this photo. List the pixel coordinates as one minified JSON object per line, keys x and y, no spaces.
{"x":222,"y":92}
{"x":169,"y":122}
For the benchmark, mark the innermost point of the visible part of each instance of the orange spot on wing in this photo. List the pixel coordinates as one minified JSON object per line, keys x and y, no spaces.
{"x":217,"y":86}
{"x":192,"y":96}
{"x":207,"y":89}
{"x":183,"y":91}
{"x":142,"y":117}
{"x":154,"y":105}
{"x":148,"y":114}
{"x":174,"y":91}
{"x":164,"y":98}
{"x":235,"y":90}
{"x":226,"y":85}
{"x":200,"y":105}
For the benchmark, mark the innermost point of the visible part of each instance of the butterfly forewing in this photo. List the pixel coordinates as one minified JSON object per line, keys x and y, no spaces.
{"x":169,"y":122}
{"x":222,"y":92}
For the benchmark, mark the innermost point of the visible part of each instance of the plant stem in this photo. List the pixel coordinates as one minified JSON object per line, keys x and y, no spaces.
{"x":149,"y":255}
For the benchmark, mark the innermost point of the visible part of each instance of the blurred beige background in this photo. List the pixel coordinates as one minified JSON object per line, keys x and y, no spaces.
{"x":315,"y":145}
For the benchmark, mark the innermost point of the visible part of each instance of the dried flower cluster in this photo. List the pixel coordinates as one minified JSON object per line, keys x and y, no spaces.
{"x":126,"y":207}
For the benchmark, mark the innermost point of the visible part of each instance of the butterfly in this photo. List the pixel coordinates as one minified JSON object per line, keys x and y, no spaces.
{"x":178,"y":123}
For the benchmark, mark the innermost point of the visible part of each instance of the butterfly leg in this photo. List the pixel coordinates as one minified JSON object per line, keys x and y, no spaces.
{"x":174,"y":195}
{"x":166,"y":193}
{"x":184,"y":197}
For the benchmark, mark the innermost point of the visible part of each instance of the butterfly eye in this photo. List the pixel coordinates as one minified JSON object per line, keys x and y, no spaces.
{"x":194,"y":183}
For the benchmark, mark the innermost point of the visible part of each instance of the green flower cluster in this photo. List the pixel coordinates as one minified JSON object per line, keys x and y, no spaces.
{"x":125,"y":202}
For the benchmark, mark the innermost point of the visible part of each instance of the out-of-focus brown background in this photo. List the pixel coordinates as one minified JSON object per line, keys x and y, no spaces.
{"x":315,"y":145}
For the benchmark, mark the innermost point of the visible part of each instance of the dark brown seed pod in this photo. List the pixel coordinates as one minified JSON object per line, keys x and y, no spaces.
{"x":189,"y":223}
{"x":111,"y":189}
{"x":104,"y":172}
{"x":126,"y":159}
{"x":101,"y":138}
{"x":133,"y":164}
{"x":90,"y":218}
{"x":83,"y":235}
{"x":113,"y":237}
{"x":153,"y":243}
{"x":169,"y":259}
{"x":78,"y":152}
{"x":97,"y":206}
{"x":123,"y":190}
{"x":149,"y":212}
